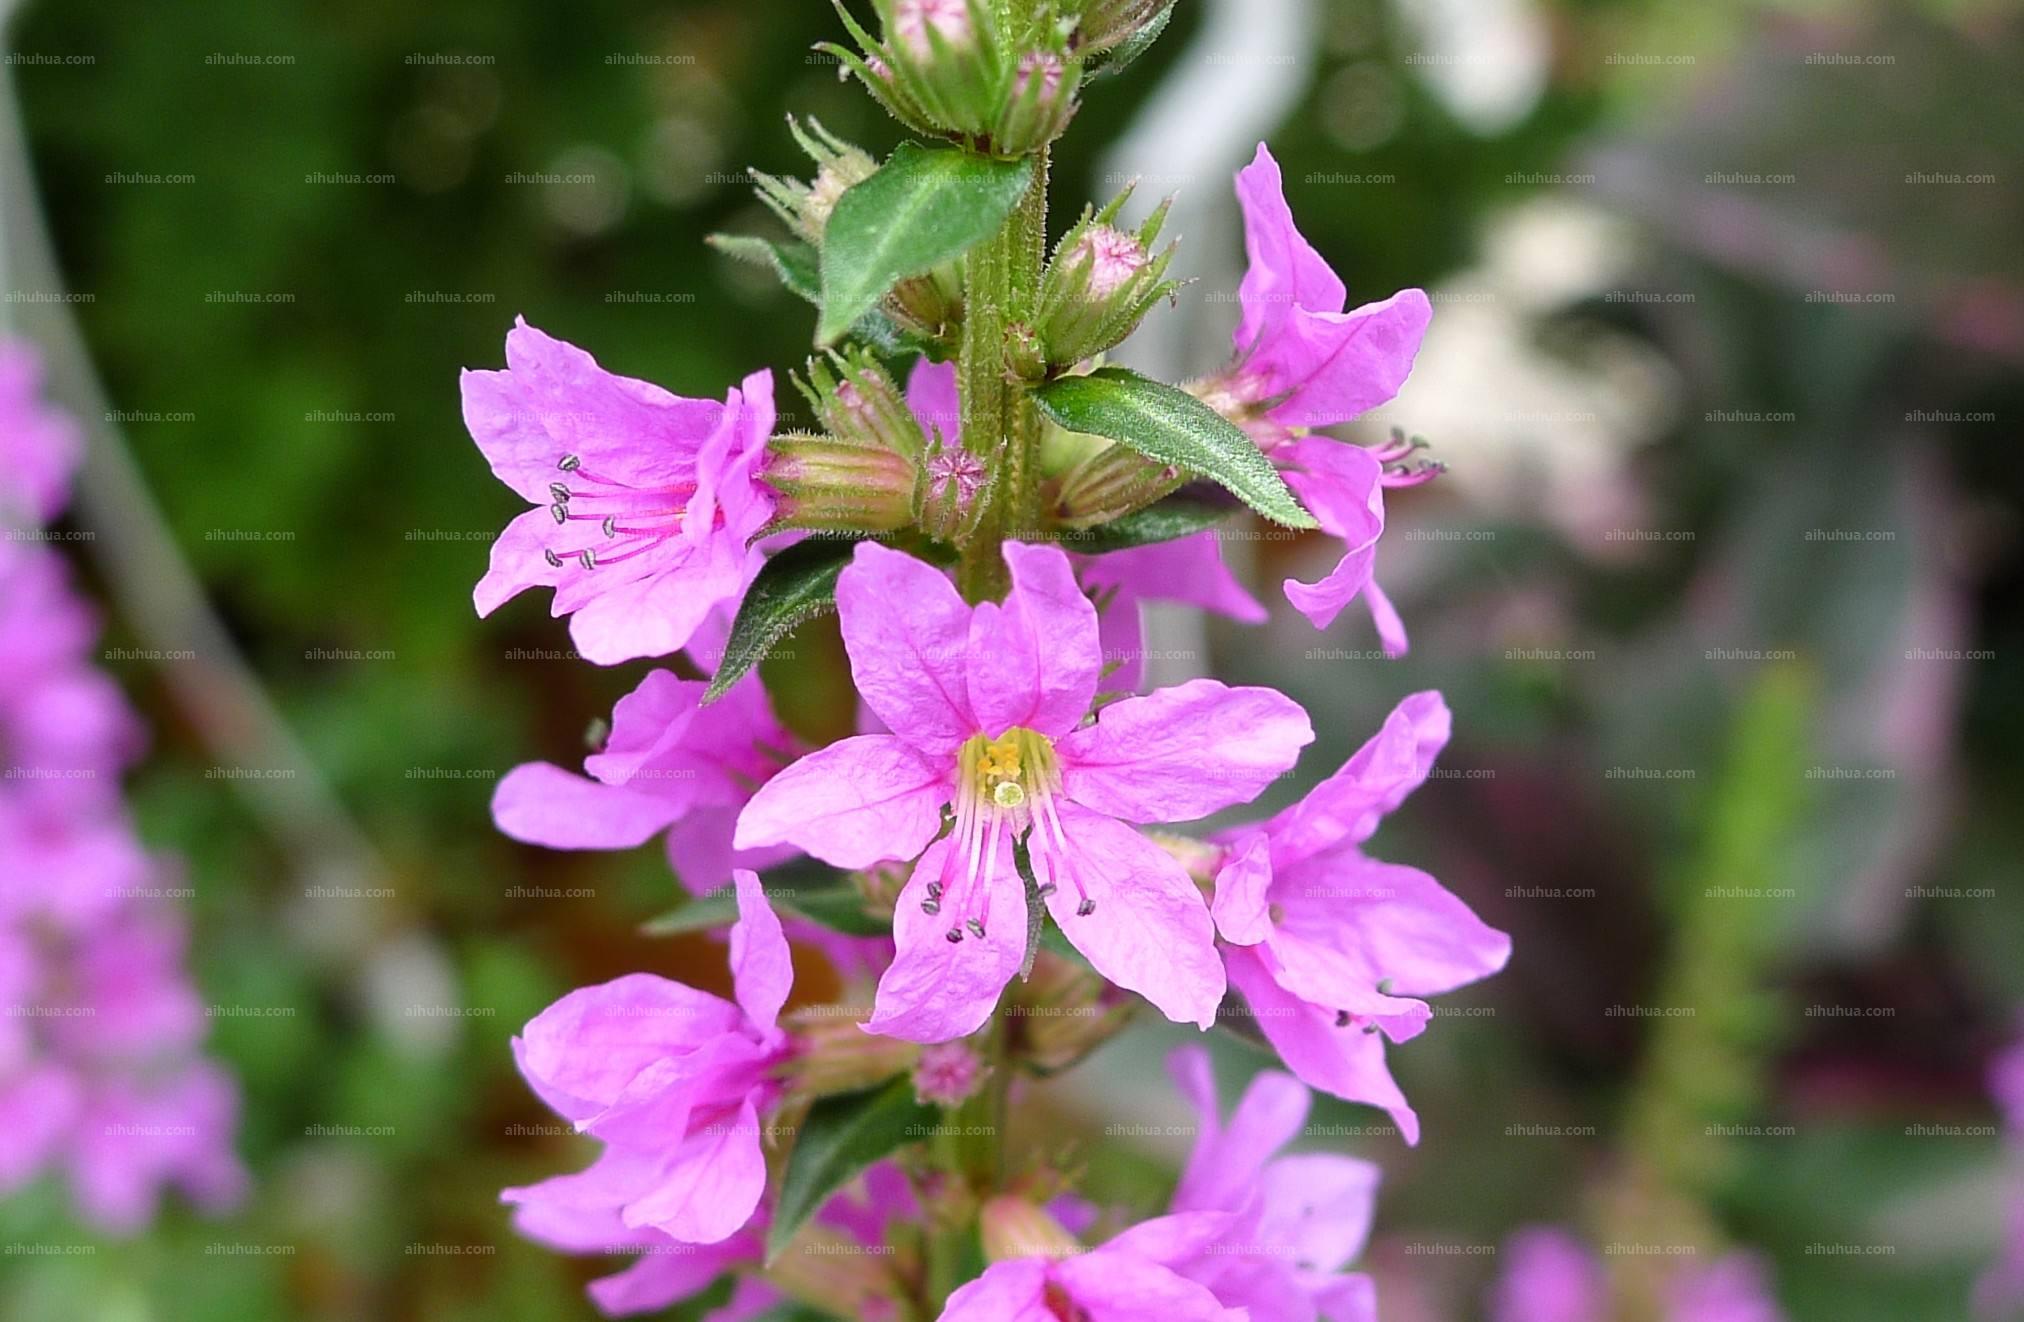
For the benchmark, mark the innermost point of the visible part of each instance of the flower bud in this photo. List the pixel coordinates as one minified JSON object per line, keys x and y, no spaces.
{"x":837,"y":485}
{"x":941,"y":67}
{"x":831,"y":1054}
{"x":831,"y":1270}
{"x":1115,"y":481}
{"x":1117,"y":30}
{"x":930,"y":305}
{"x":948,"y":1074}
{"x":954,"y":491}
{"x":1101,"y":284}
{"x":1041,"y":103}
{"x":839,"y":166}
{"x":1014,"y":1228}
{"x":857,"y":401}
{"x":1063,"y":1012}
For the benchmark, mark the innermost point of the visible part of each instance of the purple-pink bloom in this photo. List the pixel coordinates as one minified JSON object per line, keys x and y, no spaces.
{"x":672,"y":1080}
{"x":1297,"y":1220}
{"x":1303,"y":362}
{"x":1126,"y":1280}
{"x":670,"y":764}
{"x":1188,"y":571}
{"x":1733,"y":1288}
{"x":39,"y":446}
{"x":1549,"y":1276}
{"x":646,"y":502}
{"x":1329,"y":947}
{"x":986,"y":706}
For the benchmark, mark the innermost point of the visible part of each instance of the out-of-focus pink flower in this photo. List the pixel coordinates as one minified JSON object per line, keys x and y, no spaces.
{"x":39,"y":446}
{"x":986,"y":706}
{"x":1549,"y":1276}
{"x":1126,"y":1280}
{"x":1303,"y":362}
{"x":670,"y":764}
{"x":1188,"y":571}
{"x":1297,"y":1220}
{"x":1733,"y":1288}
{"x":1330,"y":947}
{"x":673,"y":1081}
{"x":647,"y":503}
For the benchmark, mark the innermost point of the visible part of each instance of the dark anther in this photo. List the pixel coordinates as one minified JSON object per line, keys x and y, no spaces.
{"x":569,"y":463}
{"x":976,"y":928}
{"x":931,"y":907}
{"x":1085,"y":909}
{"x":560,"y":511}
{"x":559,"y":491}
{"x":955,"y":936}
{"x":554,"y":560}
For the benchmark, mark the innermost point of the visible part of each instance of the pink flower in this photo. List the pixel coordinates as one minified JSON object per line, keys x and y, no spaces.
{"x":1126,"y":1280}
{"x":1318,"y":937}
{"x":647,"y":502}
{"x":39,"y":446}
{"x":1188,"y":571}
{"x":1733,"y":1288}
{"x":136,"y":1136}
{"x":671,"y":764}
{"x":673,"y":1081}
{"x":1549,"y":1276}
{"x":1304,"y":362}
{"x":1298,"y":1220}
{"x":949,"y":20}
{"x":986,"y":708}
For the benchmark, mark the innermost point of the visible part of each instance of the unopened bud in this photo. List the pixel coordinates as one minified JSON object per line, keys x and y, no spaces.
{"x":1014,"y":1228}
{"x":1100,"y":285}
{"x":832,"y":1054}
{"x":954,"y":490}
{"x":948,"y":20}
{"x":940,"y":67}
{"x":1063,"y":1012}
{"x":839,"y":167}
{"x":1117,"y":30}
{"x":831,"y":484}
{"x":830,"y":1270}
{"x":948,"y":1074}
{"x":1041,"y":102}
{"x":1115,"y":481}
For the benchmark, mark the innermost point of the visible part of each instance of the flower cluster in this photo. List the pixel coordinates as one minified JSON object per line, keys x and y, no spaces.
{"x":1004,"y":862}
{"x":100,"y":1070}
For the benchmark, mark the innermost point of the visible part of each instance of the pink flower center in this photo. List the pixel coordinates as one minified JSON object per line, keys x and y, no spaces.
{"x":1003,"y":785}
{"x":948,"y":19}
{"x":954,"y":466}
{"x":1114,"y":257}
{"x":948,"y":1074}
{"x":631,"y":520}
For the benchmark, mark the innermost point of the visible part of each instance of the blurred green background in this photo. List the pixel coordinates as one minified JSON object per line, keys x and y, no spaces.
{"x":1723,"y":588}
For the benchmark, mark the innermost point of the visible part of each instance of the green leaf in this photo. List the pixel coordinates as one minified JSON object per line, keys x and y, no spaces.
{"x":925,"y":206}
{"x":841,"y":1136}
{"x":795,"y":263}
{"x":705,"y":913}
{"x":1173,"y":518}
{"x":1138,"y":44}
{"x":806,"y":890}
{"x":796,"y":586}
{"x":1173,"y":427}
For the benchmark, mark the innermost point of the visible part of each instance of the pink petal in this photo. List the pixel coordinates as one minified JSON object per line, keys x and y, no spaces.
{"x":932,"y":395}
{"x":1348,"y":806}
{"x":907,"y":632}
{"x":1171,"y":1241}
{"x":1338,"y":365}
{"x":518,"y":562}
{"x":1406,"y":927}
{"x":1318,"y":1208}
{"x":1352,"y":1298}
{"x":1183,"y":752}
{"x":649,"y":726}
{"x":1391,"y":630}
{"x":581,"y":1052}
{"x":701,"y":854}
{"x":541,"y":804}
{"x":1339,"y":484}
{"x":1344,"y":1062}
{"x":1120,"y":631}
{"x":1240,"y":907}
{"x":1308,"y":964}
{"x":1124,"y":1287}
{"x":713,"y":1187}
{"x":1188,"y":570}
{"x":730,"y":503}
{"x":857,"y":802}
{"x":1150,"y":931}
{"x":762,"y":970}
{"x":1285,"y":271}
{"x":1013,"y":1291}
{"x":1224,"y":1169}
{"x":1549,"y":1276}
{"x":653,"y":614}
{"x":668,"y":1272}
{"x":1034,"y":661}
{"x":937,"y":989}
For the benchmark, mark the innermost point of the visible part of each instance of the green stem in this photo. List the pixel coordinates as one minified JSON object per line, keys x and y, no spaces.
{"x":1000,"y":424}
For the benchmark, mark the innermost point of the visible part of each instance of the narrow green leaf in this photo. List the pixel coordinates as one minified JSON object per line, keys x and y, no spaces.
{"x":1138,"y":44}
{"x":841,"y":1136}
{"x":1173,"y":427}
{"x":1171,"y":519}
{"x":705,"y":913}
{"x":925,"y":206}
{"x":795,"y":263}
{"x":805,"y":889}
{"x":796,"y":586}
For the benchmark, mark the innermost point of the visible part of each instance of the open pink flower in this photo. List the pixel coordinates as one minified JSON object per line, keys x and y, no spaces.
{"x":671,"y":764}
{"x":1126,"y":1280}
{"x":1303,"y":362}
{"x":647,"y":502}
{"x":1297,"y":1220}
{"x":1549,"y":1276}
{"x":986,"y":708}
{"x":39,"y":446}
{"x":1318,"y":937}
{"x":673,"y":1081}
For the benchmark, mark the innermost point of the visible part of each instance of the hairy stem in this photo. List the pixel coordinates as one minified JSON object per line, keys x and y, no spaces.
{"x":1000,"y":423}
